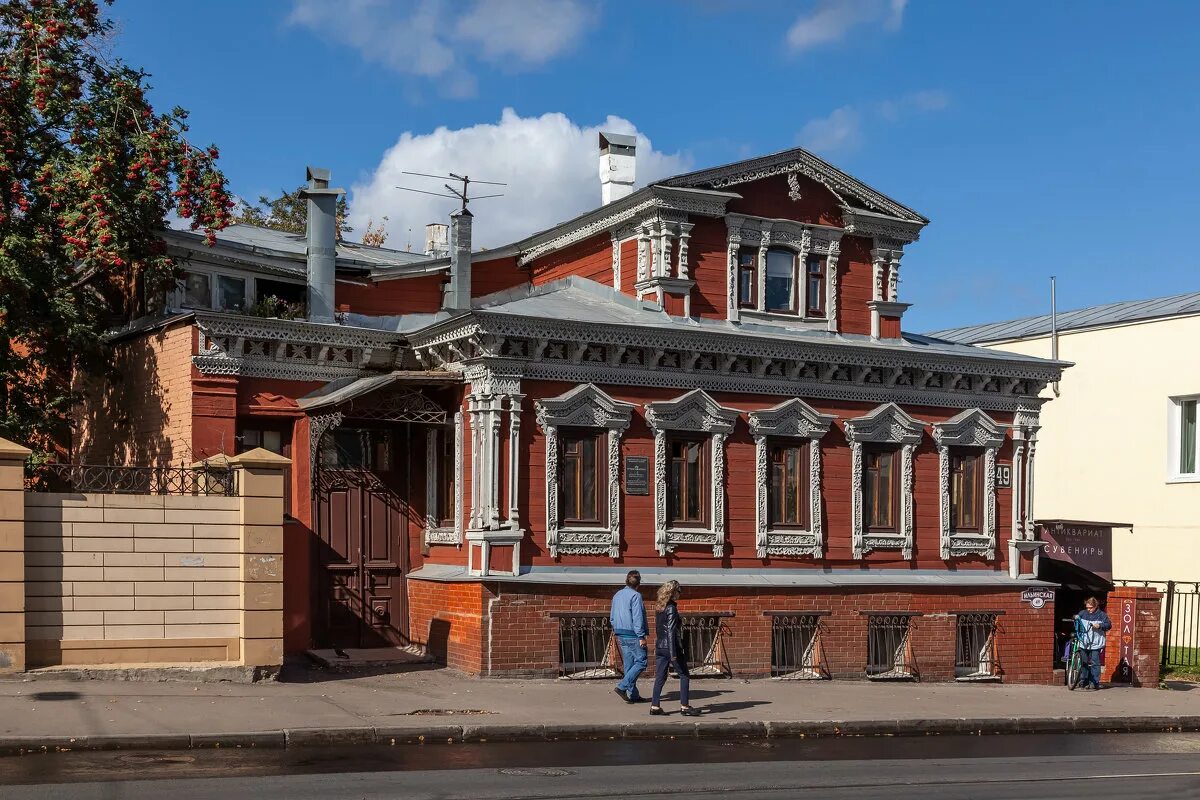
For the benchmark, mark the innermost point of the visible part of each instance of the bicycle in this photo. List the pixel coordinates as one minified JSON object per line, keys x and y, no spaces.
{"x":1074,"y":659}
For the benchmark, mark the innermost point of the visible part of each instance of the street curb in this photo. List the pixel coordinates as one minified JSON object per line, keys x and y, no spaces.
{"x":298,"y":738}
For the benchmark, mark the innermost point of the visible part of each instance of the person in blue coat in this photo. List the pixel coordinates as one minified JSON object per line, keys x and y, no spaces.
{"x":628,"y":619}
{"x":1092,"y":626}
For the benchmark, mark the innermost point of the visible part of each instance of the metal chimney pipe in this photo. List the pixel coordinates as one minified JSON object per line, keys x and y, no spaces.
{"x":1054,"y":327}
{"x":458,"y":291}
{"x":321,"y":236}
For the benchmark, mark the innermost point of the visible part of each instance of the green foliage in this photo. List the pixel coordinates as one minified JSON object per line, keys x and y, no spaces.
{"x":88,"y":173}
{"x":272,"y":306}
{"x":288,"y":213}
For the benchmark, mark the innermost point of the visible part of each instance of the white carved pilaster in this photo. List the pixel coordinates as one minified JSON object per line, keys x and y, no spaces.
{"x":514,"y":459}
{"x":831,"y":284}
{"x":879,"y":260}
{"x":643,"y":253}
{"x":1018,"y":518}
{"x":718,"y":494}
{"x":614,"y":492}
{"x":459,"y":455}
{"x":553,"y":489}
{"x":760,"y":291}
{"x":857,"y":528}
{"x":989,"y":501}
{"x":944,"y":498}
{"x":733,"y":284}
{"x":906,"y":501}
{"x":665,"y":234}
{"x":1029,"y":484}
{"x":685,"y":233}
{"x":762,"y":479}
{"x":660,"y":494}
{"x":894,"y":278}
{"x":616,"y":261}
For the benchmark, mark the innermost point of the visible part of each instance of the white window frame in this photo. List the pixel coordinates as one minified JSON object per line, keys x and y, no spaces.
{"x":213,"y":273}
{"x":435,"y":532}
{"x":693,"y":413}
{"x":585,"y":406}
{"x":890,"y":425}
{"x":1175,"y":443}
{"x":971,"y":429}
{"x":790,"y":420}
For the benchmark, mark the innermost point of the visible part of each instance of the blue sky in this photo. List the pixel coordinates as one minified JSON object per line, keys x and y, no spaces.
{"x":1039,"y":137}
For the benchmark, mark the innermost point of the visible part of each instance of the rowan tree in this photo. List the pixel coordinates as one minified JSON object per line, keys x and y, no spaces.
{"x":89,"y":171}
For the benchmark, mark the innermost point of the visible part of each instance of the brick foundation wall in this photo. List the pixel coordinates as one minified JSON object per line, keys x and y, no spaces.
{"x":448,"y":619}
{"x":524,"y":635}
{"x":1143,"y":627}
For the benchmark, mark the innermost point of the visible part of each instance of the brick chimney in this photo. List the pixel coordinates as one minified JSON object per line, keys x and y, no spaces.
{"x":321,"y":236}
{"x":618,"y":162}
{"x":458,"y":290}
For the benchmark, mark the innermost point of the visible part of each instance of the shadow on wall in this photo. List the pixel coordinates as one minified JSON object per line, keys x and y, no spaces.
{"x":127,"y":417}
{"x":438,"y":645}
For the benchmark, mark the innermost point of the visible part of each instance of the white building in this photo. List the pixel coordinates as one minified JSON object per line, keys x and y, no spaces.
{"x":1120,"y":441}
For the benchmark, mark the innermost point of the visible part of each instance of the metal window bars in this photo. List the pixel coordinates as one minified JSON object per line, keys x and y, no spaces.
{"x":889,"y":651}
{"x":202,"y":479}
{"x":796,"y":651}
{"x":975,"y":647}
{"x":702,"y":643}
{"x":586,"y":647}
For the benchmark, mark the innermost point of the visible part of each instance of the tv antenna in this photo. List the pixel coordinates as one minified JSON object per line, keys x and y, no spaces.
{"x":461,"y":195}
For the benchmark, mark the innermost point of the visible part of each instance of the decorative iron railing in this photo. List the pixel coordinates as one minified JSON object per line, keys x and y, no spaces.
{"x":796,"y":652}
{"x":586,"y":648}
{"x":702,"y":643}
{"x":975,"y":647}
{"x":203,"y":479}
{"x":889,"y":656}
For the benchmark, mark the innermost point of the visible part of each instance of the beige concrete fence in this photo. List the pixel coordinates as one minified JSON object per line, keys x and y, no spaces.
{"x":136,"y":579}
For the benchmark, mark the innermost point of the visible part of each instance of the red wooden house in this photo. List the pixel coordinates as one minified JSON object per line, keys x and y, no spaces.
{"x":705,"y":379}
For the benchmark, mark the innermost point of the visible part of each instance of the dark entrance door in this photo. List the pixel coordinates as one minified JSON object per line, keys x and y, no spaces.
{"x":361,"y":520}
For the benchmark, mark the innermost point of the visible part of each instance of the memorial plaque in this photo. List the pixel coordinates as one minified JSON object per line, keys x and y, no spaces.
{"x":637,"y":475}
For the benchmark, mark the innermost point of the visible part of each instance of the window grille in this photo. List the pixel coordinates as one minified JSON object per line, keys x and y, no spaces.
{"x":889,"y":655}
{"x":795,"y":647}
{"x":976,"y":647}
{"x":586,"y":648}
{"x":703,"y":646}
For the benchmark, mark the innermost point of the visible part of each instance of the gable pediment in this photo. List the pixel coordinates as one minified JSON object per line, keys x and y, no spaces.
{"x":794,"y":418}
{"x":971,"y":428}
{"x":694,"y":411}
{"x":584,"y":406}
{"x":887,"y":424}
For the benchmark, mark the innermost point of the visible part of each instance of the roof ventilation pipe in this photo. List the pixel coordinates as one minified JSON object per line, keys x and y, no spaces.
{"x":618,"y":166}
{"x":458,"y":290}
{"x":321,"y":238}
{"x":437,"y":240}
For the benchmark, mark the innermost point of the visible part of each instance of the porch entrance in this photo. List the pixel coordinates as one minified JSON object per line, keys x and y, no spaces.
{"x":370,"y":491}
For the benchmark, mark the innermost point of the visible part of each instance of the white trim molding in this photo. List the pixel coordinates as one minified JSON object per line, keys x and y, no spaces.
{"x":694,"y":412}
{"x":972,"y":428}
{"x":585,"y":406}
{"x":791,"y":419}
{"x":435,"y":533}
{"x":887,"y":424}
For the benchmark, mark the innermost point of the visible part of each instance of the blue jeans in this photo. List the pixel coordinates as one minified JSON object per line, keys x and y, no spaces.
{"x":662,"y":664}
{"x":1091,"y":667}
{"x":633,"y":656}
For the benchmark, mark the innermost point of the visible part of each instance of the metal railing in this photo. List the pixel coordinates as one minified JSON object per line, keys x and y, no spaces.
{"x":975,"y":648}
{"x":702,"y":643}
{"x":888,"y":656}
{"x":1180,"y":620}
{"x":795,"y":647}
{"x":586,"y":648}
{"x":204,"y":479}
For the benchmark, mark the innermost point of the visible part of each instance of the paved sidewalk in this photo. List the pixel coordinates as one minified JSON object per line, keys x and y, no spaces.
{"x":437,"y":704}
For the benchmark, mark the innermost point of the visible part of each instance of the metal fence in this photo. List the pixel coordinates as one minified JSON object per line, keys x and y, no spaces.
{"x":888,"y":655}
{"x":795,"y":647}
{"x":586,"y":648}
{"x":1180,"y":623}
{"x":103,"y":479}
{"x":975,"y":646}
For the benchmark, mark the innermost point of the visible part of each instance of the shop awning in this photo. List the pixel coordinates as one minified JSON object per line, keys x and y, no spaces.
{"x":1077,"y":552}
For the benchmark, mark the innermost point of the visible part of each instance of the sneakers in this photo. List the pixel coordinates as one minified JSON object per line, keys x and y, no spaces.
{"x":621,"y":694}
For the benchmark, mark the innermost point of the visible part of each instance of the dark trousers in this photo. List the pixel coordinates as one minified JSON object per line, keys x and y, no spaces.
{"x":662,"y":662}
{"x":1091,"y":667}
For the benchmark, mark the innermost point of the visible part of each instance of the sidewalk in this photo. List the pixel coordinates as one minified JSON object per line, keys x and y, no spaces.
{"x":439,"y":705}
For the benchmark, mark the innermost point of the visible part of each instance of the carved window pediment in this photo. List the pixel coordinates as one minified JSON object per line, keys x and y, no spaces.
{"x":794,"y":418}
{"x":888,"y":424}
{"x":695,"y":411}
{"x":971,"y":428}
{"x":584,"y":406}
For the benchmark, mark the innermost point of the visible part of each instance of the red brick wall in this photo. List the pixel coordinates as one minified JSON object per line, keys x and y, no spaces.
{"x":524,"y":635}
{"x":638,"y":511}
{"x":449,"y":620}
{"x":1143,"y":628}
{"x":591,"y":258}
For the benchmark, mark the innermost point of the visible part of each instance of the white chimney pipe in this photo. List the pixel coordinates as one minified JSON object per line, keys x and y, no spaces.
{"x":437,"y":235}
{"x":618,"y":162}
{"x":458,"y":291}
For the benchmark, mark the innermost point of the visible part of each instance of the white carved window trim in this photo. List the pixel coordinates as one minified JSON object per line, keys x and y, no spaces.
{"x":790,"y":420}
{"x":585,"y":406}
{"x":888,"y":424}
{"x":692,"y":413}
{"x":435,"y":533}
{"x":972,"y":428}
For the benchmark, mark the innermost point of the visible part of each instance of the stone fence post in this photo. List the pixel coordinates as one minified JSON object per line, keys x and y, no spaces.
{"x":12,"y":556}
{"x":1135,"y":638}
{"x":260,"y":474}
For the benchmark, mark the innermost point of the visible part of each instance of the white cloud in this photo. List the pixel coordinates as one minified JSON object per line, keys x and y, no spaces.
{"x":549,"y":163}
{"x":844,"y":128}
{"x":841,"y":130}
{"x":438,"y":39}
{"x":829,"y":20}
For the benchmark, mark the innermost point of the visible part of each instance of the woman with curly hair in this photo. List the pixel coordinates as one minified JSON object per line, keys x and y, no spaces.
{"x":668,"y":649}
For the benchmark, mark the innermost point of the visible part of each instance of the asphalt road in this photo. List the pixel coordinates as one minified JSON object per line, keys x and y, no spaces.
{"x":1062,"y":767}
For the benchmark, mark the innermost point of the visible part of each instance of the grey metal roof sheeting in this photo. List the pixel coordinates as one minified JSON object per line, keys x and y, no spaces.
{"x":750,"y":577}
{"x":1090,"y":317}
{"x":292,"y":246}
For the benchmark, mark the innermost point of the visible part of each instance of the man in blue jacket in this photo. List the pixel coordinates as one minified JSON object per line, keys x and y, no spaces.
{"x":1093,"y":625}
{"x":628,"y":618}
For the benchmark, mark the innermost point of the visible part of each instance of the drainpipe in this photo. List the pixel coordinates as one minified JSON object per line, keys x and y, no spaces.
{"x":1053,"y":328}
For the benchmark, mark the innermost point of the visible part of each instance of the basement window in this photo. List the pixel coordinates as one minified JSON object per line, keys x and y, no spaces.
{"x":889,"y":655}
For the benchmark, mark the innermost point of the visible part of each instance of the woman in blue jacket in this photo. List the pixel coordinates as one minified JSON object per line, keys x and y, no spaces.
{"x":1091,"y":625}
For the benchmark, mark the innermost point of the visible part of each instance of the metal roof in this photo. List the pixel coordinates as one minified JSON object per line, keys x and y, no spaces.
{"x":762,"y":578}
{"x":1079,"y":319}
{"x":253,"y":240}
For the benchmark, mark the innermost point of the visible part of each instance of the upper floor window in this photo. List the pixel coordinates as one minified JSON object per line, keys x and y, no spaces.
{"x":1185,"y":444}
{"x":781,"y":281}
{"x":687,"y":491}
{"x":788,"y":491}
{"x":879,"y":489}
{"x":814,"y":304}
{"x":965,"y":474}
{"x":221,"y":292}
{"x":787,"y":285}
{"x":748,"y":278}
{"x":581,"y":478}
